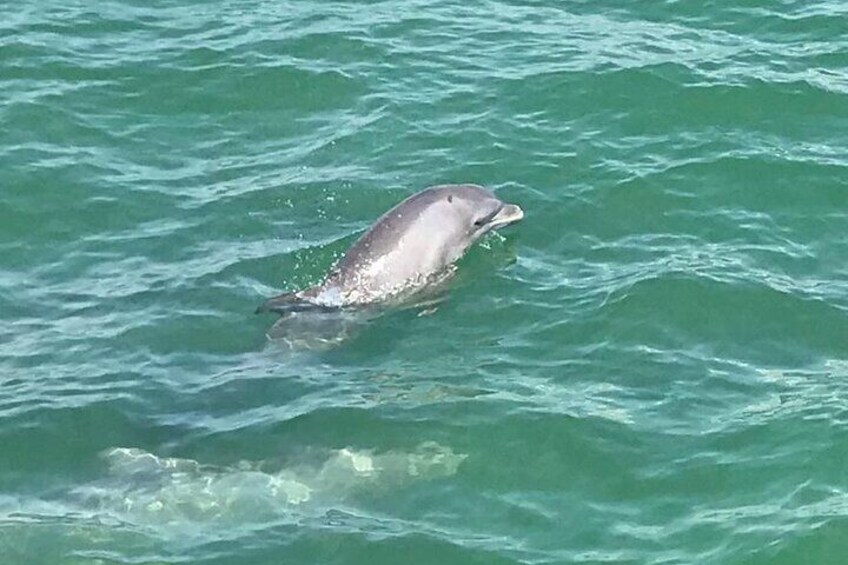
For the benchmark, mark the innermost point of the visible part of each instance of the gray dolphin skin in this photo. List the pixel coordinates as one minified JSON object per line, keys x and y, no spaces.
{"x":405,"y":249}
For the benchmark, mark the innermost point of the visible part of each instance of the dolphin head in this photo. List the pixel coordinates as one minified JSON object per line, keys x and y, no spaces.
{"x":477,"y":211}
{"x":452,"y":217}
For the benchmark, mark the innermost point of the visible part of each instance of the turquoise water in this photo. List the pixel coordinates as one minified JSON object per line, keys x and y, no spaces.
{"x":651,"y":368}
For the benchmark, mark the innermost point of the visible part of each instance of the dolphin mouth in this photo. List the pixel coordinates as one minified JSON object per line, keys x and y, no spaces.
{"x":508,"y":214}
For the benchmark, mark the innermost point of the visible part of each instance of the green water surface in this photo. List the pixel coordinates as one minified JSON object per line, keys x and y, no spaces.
{"x":651,"y":368}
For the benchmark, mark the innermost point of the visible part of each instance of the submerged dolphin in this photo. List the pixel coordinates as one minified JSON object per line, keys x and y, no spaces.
{"x":405,"y":250}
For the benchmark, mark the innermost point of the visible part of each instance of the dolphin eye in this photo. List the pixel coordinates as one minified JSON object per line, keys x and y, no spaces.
{"x":450,"y":197}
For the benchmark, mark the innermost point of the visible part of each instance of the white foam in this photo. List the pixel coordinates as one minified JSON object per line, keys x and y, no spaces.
{"x":144,"y":488}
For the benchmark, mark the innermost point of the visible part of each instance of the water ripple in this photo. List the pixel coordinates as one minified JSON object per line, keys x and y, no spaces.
{"x":650,"y":368}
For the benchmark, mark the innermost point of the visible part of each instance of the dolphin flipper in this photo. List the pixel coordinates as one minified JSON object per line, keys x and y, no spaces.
{"x":290,"y":302}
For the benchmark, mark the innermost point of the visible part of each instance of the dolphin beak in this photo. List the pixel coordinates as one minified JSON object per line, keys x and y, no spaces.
{"x":508,"y":214}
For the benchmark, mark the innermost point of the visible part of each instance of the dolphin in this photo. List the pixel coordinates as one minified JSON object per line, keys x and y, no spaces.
{"x":410,"y":247}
